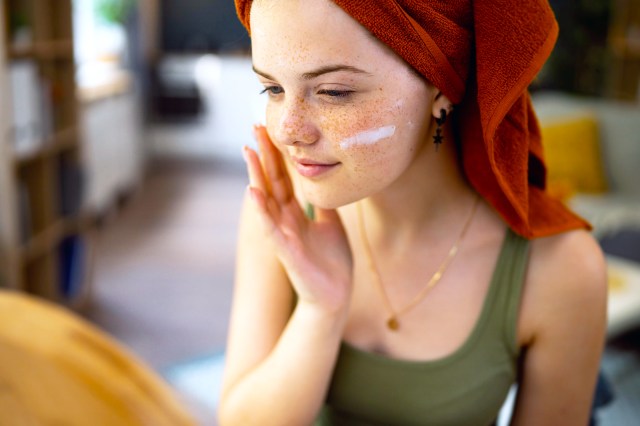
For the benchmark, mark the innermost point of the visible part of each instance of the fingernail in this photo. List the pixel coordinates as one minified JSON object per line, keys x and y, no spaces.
{"x":244,"y":154}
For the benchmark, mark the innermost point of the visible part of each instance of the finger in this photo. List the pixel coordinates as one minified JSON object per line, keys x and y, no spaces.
{"x":286,"y":239}
{"x":259,"y":181}
{"x":277,"y":205}
{"x":278,"y":179}
{"x":257,"y":178}
{"x":265,"y":212}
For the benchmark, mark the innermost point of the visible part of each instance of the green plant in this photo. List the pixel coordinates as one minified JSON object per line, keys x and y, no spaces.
{"x":17,"y":21}
{"x":114,"y":11}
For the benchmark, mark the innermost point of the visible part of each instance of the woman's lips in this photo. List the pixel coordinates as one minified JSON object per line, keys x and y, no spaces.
{"x":312,"y":168}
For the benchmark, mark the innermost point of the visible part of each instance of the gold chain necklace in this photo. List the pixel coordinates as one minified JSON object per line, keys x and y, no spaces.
{"x":393,"y":322}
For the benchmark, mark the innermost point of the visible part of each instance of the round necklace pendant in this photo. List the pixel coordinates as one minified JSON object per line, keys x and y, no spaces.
{"x":393,"y":324}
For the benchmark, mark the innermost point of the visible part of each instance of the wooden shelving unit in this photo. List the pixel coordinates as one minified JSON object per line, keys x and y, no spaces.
{"x":43,"y":230}
{"x":624,"y":45}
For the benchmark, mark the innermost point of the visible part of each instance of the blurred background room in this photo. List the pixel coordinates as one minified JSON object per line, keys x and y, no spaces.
{"x":121,"y":175}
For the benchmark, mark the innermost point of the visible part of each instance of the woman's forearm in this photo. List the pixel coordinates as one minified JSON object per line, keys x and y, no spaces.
{"x":289,"y":386}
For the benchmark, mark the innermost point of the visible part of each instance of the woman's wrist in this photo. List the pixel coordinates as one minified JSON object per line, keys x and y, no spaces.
{"x":328,"y":317}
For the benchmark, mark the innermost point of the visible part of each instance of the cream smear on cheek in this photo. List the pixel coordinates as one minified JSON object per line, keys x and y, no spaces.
{"x":368,"y":137}
{"x":373,"y":136}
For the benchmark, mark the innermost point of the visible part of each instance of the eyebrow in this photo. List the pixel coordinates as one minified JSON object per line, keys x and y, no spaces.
{"x":320,"y":71}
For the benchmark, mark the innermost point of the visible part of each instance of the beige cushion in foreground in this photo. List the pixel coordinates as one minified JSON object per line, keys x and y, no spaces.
{"x":57,"y":369}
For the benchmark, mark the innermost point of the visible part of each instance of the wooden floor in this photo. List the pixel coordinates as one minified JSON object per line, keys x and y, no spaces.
{"x":164,"y":263}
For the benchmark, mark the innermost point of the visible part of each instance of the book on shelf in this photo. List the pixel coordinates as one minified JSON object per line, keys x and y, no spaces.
{"x":71,"y":186}
{"x":24,"y":212}
{"x":32,"y":121}
{"x":71,"y":266}
{"x":46,"y":109}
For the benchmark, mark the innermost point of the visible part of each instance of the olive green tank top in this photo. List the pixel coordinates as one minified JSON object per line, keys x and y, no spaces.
{"x":467,"y":387}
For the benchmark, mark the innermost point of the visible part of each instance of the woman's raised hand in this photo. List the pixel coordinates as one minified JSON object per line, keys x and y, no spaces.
{"x":315,"y":253}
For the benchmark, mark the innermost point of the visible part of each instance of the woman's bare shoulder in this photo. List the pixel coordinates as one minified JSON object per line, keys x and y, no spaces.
{"x":573,"y":257}
{"x":566,"y":279}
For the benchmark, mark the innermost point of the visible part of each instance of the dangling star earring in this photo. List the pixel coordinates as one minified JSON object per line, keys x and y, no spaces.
{"x":438,"y":138}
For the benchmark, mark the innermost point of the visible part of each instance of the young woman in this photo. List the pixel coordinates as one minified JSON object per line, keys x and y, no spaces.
{"x":432,"y":271}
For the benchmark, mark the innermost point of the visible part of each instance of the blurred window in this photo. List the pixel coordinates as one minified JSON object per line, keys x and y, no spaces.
{"x":100,"y":43}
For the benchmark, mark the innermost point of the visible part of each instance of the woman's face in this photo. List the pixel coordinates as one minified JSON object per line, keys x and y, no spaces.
{"x":345,"y":111}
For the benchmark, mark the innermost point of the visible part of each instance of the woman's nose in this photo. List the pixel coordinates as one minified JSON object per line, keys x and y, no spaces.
{"x":296,"y":125}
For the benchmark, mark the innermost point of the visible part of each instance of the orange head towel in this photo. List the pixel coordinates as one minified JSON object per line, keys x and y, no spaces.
{"x":482,"y":55}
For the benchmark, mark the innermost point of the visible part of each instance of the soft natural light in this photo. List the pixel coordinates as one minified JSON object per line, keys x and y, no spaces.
{"x":98,"y":44}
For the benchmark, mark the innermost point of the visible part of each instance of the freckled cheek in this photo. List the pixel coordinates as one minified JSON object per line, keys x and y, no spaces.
{"x":342,"y":125}
{"x":373,"y":114}
{"x":385,"y":158}
{"x":379,"y":158}
{"x":335,"y":125}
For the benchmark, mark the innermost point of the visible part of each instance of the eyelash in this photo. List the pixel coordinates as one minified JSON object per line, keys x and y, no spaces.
{"x":336,"y":93}
{"x":272,"y":90}
{"x":277,"y":90}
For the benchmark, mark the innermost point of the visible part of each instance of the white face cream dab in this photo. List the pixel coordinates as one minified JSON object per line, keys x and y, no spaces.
{"x":368,"y":137}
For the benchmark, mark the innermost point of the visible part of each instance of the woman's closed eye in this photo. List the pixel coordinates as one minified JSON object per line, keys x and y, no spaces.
{"x":335,"y":93}
{"x":275,"y":90}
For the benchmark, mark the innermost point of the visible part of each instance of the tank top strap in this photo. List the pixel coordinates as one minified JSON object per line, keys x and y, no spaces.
{"x":508,"y":280}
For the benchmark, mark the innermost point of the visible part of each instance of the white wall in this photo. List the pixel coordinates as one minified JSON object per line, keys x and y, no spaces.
{"x":233,"y":105}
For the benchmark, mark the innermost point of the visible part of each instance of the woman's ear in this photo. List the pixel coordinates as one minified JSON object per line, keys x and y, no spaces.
{"x":440,"y":102}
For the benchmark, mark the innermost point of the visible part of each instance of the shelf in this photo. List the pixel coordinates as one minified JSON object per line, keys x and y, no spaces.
{"x":43,"y":242}
{"x":44,"y":161}
{"x":112,"y":84}
{"x":61,"y":141}
{"x":4,"y":274}
{"x":46,"y":50}
{"x":49,"y":238}
{"x":8,"y":277}
{"x":625,"y":47}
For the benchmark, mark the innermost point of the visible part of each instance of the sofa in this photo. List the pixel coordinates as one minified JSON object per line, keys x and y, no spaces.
{"x":595,"y":145}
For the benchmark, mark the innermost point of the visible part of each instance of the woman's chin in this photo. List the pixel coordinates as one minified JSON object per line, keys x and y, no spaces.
{"x":328,"y":202}
{"x":322,"y":204}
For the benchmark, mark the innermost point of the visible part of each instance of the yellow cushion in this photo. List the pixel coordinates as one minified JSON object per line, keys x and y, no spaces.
{"x":572,"y":153}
